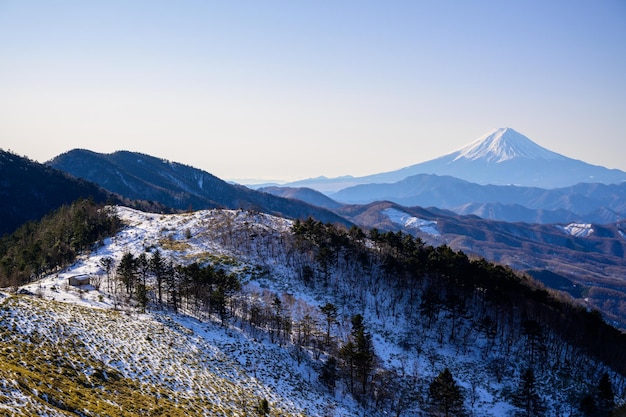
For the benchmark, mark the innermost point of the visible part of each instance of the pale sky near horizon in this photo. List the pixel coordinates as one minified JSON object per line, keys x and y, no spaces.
{"x":297,"y":89}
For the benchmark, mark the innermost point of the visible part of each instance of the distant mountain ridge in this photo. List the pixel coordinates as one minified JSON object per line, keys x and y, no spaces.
{"x":140,"y":176}
{"x":30,"y":190}
{"x":599,"y":203}
{"x":500,"y":157}
{"x":307,"y":195}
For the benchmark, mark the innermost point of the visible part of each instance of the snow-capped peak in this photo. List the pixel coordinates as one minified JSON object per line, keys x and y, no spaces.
{"x":503,"y":144}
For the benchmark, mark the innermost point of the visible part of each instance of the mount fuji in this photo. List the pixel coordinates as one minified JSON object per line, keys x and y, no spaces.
{"x":500,"y":157}
{"x":502,"y":145}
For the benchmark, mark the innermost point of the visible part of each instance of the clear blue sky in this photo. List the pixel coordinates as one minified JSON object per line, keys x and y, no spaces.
{"x":297,"y":89}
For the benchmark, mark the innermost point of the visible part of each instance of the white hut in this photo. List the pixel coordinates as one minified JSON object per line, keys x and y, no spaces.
{"x":79,"y":280}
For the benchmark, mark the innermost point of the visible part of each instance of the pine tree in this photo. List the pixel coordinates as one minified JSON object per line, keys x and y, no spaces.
{"x":606,"y":396}
{"x":263,"y":408}
{"x":358,"y":354}
{"x":364,"y":351}
{"x":127,"y":270}
{"x":446,"y":398}
{"x":158,"y":268}
{"x":527,"y":398}
{"x":329,"y":311}
{"x":328,"y":374}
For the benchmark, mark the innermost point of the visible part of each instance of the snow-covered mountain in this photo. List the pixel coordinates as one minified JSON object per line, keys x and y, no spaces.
{"x":100,"y":337}
{"x":500,"y":157}
{"x":589,"y":256}
{"x":506,"y":157}
{"x":504,"y":144}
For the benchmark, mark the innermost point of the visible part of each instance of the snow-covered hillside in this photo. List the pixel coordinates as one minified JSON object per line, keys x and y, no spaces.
{"x":428,"y":227}
{"x":202,"y":362}
{"x":577,"y":229}
{"x":194,"y":358}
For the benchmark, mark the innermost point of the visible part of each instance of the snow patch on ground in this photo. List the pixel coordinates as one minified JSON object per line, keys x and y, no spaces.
{"x":425,"y":226}
{"x":577,"y":229}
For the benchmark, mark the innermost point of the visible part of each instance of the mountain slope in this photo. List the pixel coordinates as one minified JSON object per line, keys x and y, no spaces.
{"x":501,"y":157}
{"x":137,"y":364}
{"x":591,"y":256}
{"x":30,"y":190}
{"x":189,"y":356}
{"x":139,"y":176}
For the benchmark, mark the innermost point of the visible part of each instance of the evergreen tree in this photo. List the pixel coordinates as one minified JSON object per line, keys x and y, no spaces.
{"x":601,"y":402}
{"x":358,"y":354}
{"x":143,"y":266}
{"x":263,"y":408}
{"x":606,"y":396}
{"x":328,"y":374}
{"x":527,"y":398}
{"x":158,"y":268}
{"x":277,"y":318}
{"x":329,"y":311}
{"x":127,"y":270}
{"x":446,"y":398}
{"x":347,"y":353}
{"x":364,"y":355}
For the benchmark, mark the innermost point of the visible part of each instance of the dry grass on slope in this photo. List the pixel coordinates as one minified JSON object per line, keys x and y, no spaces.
{"x":61,"y":359}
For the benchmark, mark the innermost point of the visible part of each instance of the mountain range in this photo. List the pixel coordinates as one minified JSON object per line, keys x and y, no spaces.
{"x":326,"y":322}
{"x":588,"y":263}
{"x":583,"y":202}
{"x":419,"y":278}
{"x":500,"y":157}
{"x":143,"y":177}
{"x":486,"y":178}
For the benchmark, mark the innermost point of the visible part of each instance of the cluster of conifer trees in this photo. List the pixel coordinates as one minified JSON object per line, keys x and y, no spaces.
{"x":150,"y":278}
{"x":475,"y":296}
{"x":39,"y":247}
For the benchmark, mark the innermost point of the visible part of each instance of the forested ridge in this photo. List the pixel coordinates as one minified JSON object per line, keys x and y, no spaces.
{"x":30,"y":190}
{"x":41,"y":247}
{"x":440,"y":295}
{"x":445,"y":279}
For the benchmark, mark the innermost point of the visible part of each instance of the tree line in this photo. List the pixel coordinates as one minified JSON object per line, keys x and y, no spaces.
{"x":40,"y":247}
